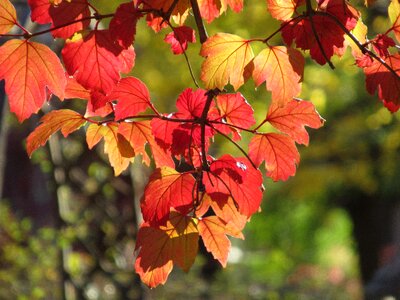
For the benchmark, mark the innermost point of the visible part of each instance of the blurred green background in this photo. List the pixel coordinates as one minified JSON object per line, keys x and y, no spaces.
{"x":67,"y":225}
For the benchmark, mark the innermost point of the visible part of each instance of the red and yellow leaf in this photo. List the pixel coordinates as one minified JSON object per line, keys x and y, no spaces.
{"x":167,"y":189}
{"x":235,"y":110}
{"x":28,"y":68}
{"x":283,"y":10}
{"x":279,"y":152}
{"x":8,"y":16}
{"x":179,"y":39}
{"x":163,"y":246}
{"x":117,"y":148}
{"x":210,"y":9}
{"x":227,"y":56}
{"x":96,"y":60}
{"x":66,"y":120}
{"x":293,"y":117}
{"x":282,"y":70}
{"x":212,"y":231}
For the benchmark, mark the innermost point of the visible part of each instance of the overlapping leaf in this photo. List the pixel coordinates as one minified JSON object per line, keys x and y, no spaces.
{"x":167,"y":188}
{"x":293,"y":117}
{"x":123,"y":24}
{"x":283,"y":10}
{"x":8,"y":16}
{"x":282,"y":70}
{"x":73,"y":11}
{"x":227,"y":56}
{"x":279,"y":152}
{"x":65,"y":120}
{"x":28,"y":68}
{"x":161,"y":247}
{"x":179,"y":39}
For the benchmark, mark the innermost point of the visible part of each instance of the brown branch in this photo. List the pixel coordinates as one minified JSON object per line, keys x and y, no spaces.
{"x":199,"y":21}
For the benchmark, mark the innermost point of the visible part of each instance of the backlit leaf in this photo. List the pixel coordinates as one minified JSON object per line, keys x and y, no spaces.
{"x":28,"y":68}
{"x":123,"y":24}
{"x":179,"y":39}
{"x":8,"y":16}
{"x":283,"y":10}
{"x":163,"y":246}
{"x":66,"y":120}
{"x":279,"y":152}
{"x":227,"y":56}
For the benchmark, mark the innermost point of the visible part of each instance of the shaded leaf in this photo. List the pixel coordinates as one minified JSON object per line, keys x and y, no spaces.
{"x":123,"y":24}
{"x":179,"y":39}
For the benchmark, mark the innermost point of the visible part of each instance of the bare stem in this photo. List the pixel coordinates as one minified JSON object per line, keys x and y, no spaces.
{"x":199,"y":21}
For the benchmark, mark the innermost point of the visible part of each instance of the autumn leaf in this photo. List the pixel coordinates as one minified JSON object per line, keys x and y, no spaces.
{"x":283,"y":10}
{"x":159,"y":248}
{"x":28,"y":68}
{"x":282,"y":70}
{"x":279,"y":152}
{"x":236,"y":178}
{"x":123,"y":24}
{"x":394,"y":15}
{"x":293,"y":117}
{"x":8,"y":16}
{"x":96,"y":60}
{"x":190,"y":104}
{"x":43,"y":12}
{"x":227,"y":56}
{"x":66,"y":120}
{"x":167,"y":188}
{"x":235,"y":5}
{"x":117,"y":148}
{"x":179,"y":39}
{"x":75,"y":90}
{"x":133,"y":97}
{"x":213,"y":232}
{"x":379,"y":78}
{"x":210,"y":9}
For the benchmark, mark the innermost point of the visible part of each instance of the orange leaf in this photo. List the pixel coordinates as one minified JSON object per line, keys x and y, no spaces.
{"x":283,"y":10}
{"x":139,"y":134}
{"x":8,"y":16}
{"x":210,"y":9}
{"x":66,"y":120}
{"x":282,"y":70}
{"x":212,"y":231}
{"x":227,"y":56}
{"x":28,"y":68}
{"x":292,"y":118}
{"x":117,"y":148}
{"x":167,"y":188}
{"x":279,"y":152}
{"x":160,"y":247}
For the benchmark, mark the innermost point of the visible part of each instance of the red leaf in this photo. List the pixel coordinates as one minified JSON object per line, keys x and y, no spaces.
{"x":66,"y":120}
{"x":279,"y":152}
{"x":237,"y":178}
{"x":96,"y":60}
{"x":282,"y":70}
{"x":283,"y":10}
{"x":133,"y":97}
{"x":235,"y":110}
{"x":8,"y":16}
{"x":378,"y":77}
{"x":292,"y":118}
{"x":123,"y":24}
{"x":167,"y":188}
{"x":213,"y":233}
{"x":210,"y":9}
{"x":381,"y":44}
{"x":180,"y":38}
{"x":160,"y":247}
{"x":28,"y":68}
{"x":44,"y":12}
{"x":139,"y":134}
{"x":190,"y":104}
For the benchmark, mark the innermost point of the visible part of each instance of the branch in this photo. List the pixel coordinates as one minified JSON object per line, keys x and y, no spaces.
{"x":199,"y":21}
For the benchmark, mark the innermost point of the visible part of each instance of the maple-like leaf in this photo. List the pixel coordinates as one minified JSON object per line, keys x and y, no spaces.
{"x":283,"y":10}
{"x":292,"y":118}
{"x":75,"y":90}
{"x":8,"y":16}
{"x":167,"y":188}
{"x":210,"y":9}
{"x":161,"y":247}
{"x":139,"y":134}
{"x":282,"y":70}
{"x":117,"y":148}
{"x":123,"y":24}
{"x":378,"y":77}
{"x":235,"y":177}
{"x":133,"y":97}
{"x":213,"y":232}
{"x":66,"y":120}
{"x":227,"y":56}
{"x":190,"y":104}
{"x":279,"y":152}
{"x":96,"y":61}
{"x":179,"y":39}
{"x":28,"y":68}
{"x":43,"y":12}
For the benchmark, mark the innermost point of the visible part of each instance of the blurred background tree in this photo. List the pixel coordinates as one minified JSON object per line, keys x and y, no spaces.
{"x":67,"y":225}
